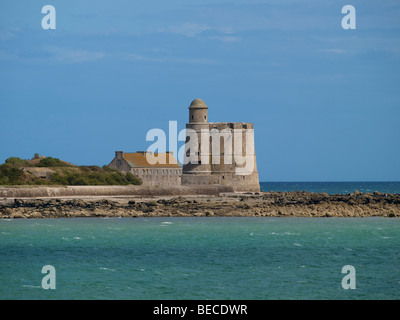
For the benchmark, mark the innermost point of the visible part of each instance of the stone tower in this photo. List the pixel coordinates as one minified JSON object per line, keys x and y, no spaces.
{"x":219,"y":153}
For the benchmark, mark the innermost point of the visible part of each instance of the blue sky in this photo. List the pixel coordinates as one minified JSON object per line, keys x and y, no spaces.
{"x":325,"y":101}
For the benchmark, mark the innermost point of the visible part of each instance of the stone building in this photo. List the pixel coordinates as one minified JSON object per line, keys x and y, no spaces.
{"x":167,"y":174}
{"x":219,"y":153}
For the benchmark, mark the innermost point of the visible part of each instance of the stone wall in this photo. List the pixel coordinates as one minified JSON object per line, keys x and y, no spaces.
{"x":239,"y":183}
{"x":159,"y":176}
{"x":38,"y":192}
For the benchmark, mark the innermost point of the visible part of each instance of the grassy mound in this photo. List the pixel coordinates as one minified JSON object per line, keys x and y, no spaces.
{"x":53,"y":171}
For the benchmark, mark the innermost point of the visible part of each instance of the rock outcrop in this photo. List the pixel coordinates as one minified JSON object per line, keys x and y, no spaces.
{"x":270,"y":204}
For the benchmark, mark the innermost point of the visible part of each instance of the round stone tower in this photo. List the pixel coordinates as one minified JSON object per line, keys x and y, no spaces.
{"x":197,"y":130}
{"x":219,"y":153}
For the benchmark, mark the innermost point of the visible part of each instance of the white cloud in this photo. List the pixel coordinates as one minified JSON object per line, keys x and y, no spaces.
{"x":138,"y":57}
{"x":339,"y":51}
{"x":200,"y":61}
{"x":187,"y":29}
{"x":226,"y":38}
{"x":192,"y":60}
{"x":73,"y":55}
{"x":6,"y":34}
{"x":194,"y":29}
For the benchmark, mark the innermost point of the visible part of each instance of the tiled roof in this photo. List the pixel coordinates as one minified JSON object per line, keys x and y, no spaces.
{"x":139,"y":160}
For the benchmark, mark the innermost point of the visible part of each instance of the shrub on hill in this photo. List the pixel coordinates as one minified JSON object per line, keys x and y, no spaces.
{"x":17,"y":162}
{"x":11,"y":173}
{"x":94,"y":176}
{"x":51,"y":162}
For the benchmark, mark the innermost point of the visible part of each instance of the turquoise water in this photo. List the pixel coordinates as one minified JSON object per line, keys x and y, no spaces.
{"x":200,"y":258}
{"x":332,"y":187}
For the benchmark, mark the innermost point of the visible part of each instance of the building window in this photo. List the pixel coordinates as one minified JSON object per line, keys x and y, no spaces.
{"x":119,"y":162}
{"x":205,"y":117}
{"x":156,"y":172}
{"x":192,"y":117}
{"x":170,"y":172}
{"x":150,"y":171}
{"x":176,"y":171}
{"x":143,"y":171}
{"x":162,"y":172}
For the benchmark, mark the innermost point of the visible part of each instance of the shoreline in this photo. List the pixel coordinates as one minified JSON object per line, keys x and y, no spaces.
{"x":196,"y":204}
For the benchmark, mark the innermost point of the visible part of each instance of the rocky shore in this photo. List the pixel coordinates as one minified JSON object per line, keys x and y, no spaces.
{"x":269,"y":204}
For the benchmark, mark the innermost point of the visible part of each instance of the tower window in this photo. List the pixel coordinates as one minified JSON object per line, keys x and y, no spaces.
{"x":205,"y":117}
{"x":192,"y":117}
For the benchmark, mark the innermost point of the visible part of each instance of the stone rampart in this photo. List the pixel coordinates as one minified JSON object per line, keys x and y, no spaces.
{"x":38,"y":192}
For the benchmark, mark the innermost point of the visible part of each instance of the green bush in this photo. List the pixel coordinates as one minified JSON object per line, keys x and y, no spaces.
{"x":90,"y":168}
{"x":94,"y":178}
{"x":10,"y":175}
{"x":51,"y":162}
{"x":108,"y":169}
{"x":132,"y":179}
{"x":17,"y":162}
{"x":57,"y":178}
{"x":75,"y":179}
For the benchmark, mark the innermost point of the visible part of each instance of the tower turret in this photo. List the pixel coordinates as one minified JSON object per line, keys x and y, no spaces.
{"x":198,"y":111}
{"x":197,"y":130}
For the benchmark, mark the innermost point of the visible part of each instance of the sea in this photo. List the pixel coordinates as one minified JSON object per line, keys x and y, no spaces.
{"x":205,"y":258}
{"x":333,"y":187}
